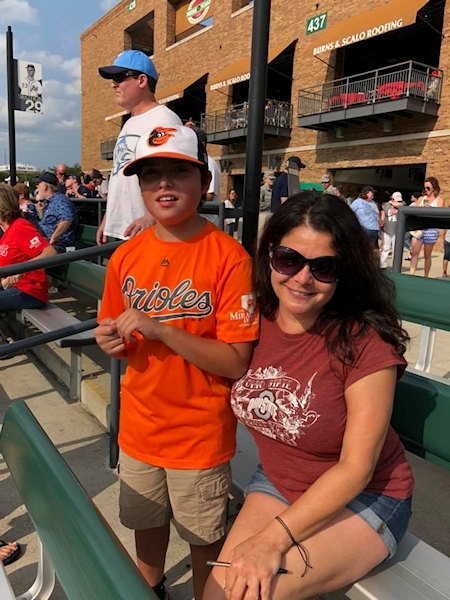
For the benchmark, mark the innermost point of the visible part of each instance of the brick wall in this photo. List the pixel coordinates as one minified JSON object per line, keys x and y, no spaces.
{"x":228,"y":40}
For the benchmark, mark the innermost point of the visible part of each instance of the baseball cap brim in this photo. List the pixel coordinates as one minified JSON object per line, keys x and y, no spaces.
{"x":134,"y":166}
{"x":109,"y":72}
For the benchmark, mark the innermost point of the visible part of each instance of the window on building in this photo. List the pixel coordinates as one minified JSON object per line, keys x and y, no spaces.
{"x":140,"y":35}
{"x":190,"y":16}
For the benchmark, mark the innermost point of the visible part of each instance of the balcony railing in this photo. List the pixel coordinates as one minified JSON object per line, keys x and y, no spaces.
{"x":404,"y":80}
{"x":107,"y":148}
{"x":277,"y":114}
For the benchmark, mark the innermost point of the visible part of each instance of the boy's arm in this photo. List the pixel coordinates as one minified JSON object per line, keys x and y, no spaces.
{"x":213,"y":356}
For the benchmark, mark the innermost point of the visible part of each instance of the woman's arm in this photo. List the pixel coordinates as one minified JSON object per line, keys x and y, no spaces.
{"x":9,"y":281}
{"x":369,"y":406}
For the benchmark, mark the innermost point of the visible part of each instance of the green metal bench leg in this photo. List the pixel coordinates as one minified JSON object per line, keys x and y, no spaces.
{"x":44,"y":583}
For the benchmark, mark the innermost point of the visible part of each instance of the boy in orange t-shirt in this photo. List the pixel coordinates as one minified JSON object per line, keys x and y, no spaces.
{"x":179,"y":305}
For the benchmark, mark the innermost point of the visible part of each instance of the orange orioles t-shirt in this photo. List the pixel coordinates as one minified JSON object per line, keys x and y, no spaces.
{"x":172,"y":413}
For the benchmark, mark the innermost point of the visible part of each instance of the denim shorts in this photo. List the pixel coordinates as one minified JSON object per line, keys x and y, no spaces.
{"x":389,"y":517}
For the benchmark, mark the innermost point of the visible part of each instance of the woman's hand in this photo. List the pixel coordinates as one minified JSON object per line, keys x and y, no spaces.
{"x":254,"y":564}
{"x":11,"y":280}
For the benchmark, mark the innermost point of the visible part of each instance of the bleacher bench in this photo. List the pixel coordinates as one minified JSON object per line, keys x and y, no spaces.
{"x":421,"y":416}
{"x":83,"y":276}
{"x":75,"y":541}
{"x":52,"y":317}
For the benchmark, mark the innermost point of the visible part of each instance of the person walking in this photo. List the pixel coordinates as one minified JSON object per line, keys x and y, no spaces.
{"x":389,"y":211}
{"x":426,"y":238}
{"x":366,"y":211}
{"x":133,"y":80}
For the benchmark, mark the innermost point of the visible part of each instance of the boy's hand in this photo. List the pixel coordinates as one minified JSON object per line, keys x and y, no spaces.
{"x":134,"y":321}
{"x":109,"y":339}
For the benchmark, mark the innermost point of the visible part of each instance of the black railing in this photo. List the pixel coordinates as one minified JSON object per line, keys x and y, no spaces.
{"x":107,"y":148}
{"x":408,"y":79}
{"x":57,"y":334}
{"x":276,"y":114}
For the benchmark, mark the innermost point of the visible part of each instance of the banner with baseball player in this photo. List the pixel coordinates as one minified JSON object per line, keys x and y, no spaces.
{"x":29,"y":86}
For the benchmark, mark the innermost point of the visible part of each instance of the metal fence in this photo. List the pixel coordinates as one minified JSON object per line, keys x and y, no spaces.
{"x":276,"y":114}
{"x":409,"y":79}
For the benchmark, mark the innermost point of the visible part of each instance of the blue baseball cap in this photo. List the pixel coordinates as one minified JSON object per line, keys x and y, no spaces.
{"x":134,"y":60}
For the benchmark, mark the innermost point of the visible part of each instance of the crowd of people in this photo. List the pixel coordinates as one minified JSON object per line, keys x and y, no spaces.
{"x":303,"y":346}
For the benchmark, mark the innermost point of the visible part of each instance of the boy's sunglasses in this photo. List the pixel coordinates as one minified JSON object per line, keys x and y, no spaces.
{"x":289,"y":262}
{"x":119,"y":77}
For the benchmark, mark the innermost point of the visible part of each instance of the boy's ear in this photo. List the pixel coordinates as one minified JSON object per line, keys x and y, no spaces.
{"x":206,"y":182}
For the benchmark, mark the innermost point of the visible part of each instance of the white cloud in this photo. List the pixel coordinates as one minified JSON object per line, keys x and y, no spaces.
{"x":17,"y":11}
{"x":106,"y":5}
{"x":69,"y":66}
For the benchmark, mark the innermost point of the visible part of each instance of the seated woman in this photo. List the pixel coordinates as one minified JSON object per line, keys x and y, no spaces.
{"x":20,"y":242}
{"x":331,"y":498}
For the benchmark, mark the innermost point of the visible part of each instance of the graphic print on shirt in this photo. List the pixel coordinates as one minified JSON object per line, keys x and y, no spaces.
{"x":4,"y":249}
{"x":178,"y":303}
{"x":274,"y":404}
{"x":124,"y":151}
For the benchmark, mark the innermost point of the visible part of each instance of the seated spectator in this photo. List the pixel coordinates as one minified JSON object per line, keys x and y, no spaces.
{"x":58,"y":217}
{"x":20,"y":242}
{"x":74,"y":188}
{"x":61,"y":174}
{"x":25,"y":204}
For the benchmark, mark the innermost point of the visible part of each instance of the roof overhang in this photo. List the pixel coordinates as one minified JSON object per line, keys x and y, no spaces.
{"x":176,"y":90}
{"x":389,"y":17}
{"x":240,"y":70}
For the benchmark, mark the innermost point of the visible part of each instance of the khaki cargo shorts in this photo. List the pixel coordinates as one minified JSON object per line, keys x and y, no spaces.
{"x":196,"y":500}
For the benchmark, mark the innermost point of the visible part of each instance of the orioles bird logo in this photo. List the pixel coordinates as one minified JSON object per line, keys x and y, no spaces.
{"x":160,"y":135}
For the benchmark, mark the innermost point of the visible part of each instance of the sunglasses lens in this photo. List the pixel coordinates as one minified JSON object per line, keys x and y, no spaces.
{"x":287,"y":261}
{"x":325,"y":269}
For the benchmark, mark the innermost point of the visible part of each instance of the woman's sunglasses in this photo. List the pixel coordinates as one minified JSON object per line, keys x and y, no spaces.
{"x":289,"y":262}
{"x":428,"y":188}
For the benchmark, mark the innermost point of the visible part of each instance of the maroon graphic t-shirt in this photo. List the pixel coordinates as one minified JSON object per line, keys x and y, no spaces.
{"x":292,"y":402}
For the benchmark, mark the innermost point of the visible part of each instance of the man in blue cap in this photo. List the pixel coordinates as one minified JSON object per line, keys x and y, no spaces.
{"x":133,"y":79}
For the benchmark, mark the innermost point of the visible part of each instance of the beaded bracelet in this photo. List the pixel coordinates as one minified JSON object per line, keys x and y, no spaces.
{"x":302,"y":550}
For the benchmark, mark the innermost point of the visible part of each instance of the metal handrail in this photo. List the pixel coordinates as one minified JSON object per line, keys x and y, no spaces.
{"x":370,"y":87}
{"x":59,"y":259}
{"x":45,"y":338}
{"x":278,"y":113}
{"x":57,"y":334}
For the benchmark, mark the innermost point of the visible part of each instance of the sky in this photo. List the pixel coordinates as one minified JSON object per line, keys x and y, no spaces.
{"x":47,"y":32}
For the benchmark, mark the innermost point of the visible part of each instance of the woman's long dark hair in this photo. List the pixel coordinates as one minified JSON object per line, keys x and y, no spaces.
{"x":364,"y":296}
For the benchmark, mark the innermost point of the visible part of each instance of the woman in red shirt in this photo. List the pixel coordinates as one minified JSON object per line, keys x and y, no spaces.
{"x":331,"y":497}
{"x":20,"y":242}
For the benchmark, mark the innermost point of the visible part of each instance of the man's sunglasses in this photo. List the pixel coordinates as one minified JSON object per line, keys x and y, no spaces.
{"x":289,"y":262}
{"x":119,"y":77}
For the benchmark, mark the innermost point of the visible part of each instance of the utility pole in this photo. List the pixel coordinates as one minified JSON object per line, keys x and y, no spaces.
{"x":11,"y":81}
{"x":255,"y":131}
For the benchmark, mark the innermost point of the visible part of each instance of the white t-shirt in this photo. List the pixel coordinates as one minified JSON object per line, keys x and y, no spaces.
{"x":214,"y":187}
{"x":125,"y":203}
